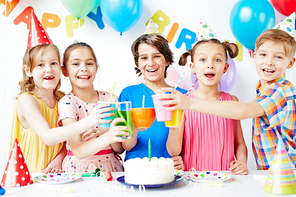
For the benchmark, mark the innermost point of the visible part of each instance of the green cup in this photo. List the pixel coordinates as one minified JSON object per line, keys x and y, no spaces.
{"x":123,"y":110}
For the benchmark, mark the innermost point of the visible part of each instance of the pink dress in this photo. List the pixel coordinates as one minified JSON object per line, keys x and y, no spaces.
{"x":71,"y":106}
{"x":208,"y":142}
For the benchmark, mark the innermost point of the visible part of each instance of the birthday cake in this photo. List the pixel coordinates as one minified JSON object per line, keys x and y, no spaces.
{"x":144,"y":172}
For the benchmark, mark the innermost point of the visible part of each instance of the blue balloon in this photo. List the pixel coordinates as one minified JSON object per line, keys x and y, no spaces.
{"x":121,"y":15}
{"x":249,"y":18}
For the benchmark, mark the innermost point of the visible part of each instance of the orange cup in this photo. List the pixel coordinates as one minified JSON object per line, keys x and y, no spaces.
{"x":143,"y":117}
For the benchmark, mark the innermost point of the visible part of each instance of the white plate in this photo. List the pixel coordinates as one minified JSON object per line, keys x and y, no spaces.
{"x":208,"y":176}
{"x":58,"y":178}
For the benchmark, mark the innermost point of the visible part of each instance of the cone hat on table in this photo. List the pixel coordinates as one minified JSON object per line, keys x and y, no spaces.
{"x":151,"y":28}
{"x":37,"y":34}
{"x":281,"y":178}
{"x":287,"y":25}
{"x":204,"y":31}
{"x":16,"y":172}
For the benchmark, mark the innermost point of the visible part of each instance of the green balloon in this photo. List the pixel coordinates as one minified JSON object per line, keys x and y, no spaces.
{"x":79,"y":8}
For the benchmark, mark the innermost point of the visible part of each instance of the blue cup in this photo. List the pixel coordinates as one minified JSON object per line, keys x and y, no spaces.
{"x":107,"y":125}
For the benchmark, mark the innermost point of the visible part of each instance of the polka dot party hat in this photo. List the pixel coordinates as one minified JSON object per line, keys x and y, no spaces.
{"x":151,"y":28}
{"x":204,"y":31}
{"x":281,"y":178}
{"x":287,"y":25}
{"x":37,"y":34}
{"x":16,"y":173}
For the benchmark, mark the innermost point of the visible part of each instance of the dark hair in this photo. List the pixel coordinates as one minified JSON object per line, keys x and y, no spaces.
{"x":73,"y":46}
{"x":230,"y":48}
{"x":157,"y":41}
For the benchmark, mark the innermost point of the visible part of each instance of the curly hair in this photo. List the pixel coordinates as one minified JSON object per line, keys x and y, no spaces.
{"x":31,"y":59}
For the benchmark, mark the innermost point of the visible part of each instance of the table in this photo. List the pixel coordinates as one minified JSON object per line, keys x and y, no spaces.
{"x":250,"y":185}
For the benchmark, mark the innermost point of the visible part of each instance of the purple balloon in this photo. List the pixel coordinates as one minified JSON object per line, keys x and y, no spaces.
{"x":227,"y":80}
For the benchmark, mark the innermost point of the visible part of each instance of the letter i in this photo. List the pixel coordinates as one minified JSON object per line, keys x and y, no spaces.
{"x":172,"y":32}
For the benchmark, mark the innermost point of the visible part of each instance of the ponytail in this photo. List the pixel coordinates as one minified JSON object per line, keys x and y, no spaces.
{"x":183,"y":58}
{"x":231,"y":49}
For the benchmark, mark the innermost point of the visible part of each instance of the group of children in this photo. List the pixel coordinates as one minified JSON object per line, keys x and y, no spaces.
{"x":60,"y":132}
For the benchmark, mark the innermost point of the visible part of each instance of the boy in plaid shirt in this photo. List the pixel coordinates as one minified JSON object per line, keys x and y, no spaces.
{"x":274,"y":109}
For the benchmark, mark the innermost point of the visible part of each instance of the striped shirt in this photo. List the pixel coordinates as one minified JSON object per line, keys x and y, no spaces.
{"x":278,"y":99}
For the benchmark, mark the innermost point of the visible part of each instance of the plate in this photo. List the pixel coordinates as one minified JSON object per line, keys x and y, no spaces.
{"x":177,"y":180}
{"x":208,"y":176}
{"x":57,"y":178}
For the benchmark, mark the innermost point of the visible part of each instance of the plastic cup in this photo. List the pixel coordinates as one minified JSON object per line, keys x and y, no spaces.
{"x":107,"y":125}
{"x":161,"y":113}
{"x":176,"y":119}
{"x":143,"y":117}
{"x":123,"y":110}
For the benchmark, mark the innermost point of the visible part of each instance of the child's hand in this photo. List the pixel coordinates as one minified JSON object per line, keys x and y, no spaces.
{"x":117,"y":133}
{"x":94,"y":133}
{"x":55,"y":166}
{"x":177,"y":100}
{"x":178,"y":162}
{"x":238,"y":167}
{"x":98,"y":113}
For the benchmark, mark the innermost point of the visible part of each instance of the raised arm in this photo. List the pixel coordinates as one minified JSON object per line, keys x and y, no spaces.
{"x":227,"y":109}
{"x":28,"y":110}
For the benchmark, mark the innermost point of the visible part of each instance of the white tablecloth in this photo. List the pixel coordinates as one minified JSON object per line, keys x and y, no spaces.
{"x":250,"y":185}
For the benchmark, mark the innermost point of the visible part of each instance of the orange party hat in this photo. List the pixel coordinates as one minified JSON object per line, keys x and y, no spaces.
{"x":151,"y":28}
{"x":37,"y":34}
{"x":16,"y":172}
{"x":281,"y":178}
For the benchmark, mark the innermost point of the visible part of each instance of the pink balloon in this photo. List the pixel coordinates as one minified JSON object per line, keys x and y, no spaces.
{"x":227,"y":80}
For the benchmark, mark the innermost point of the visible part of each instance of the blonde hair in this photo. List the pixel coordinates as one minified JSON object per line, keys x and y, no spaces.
{"x":230,"y":48}
{"x":31,"y":59}
{"x":278,"y":36}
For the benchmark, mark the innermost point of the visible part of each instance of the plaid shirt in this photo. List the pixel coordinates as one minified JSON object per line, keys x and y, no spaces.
{"x":278,"y":99}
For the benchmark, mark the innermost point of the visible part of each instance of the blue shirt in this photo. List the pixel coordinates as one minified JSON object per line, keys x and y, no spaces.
{"x":158,"y":132}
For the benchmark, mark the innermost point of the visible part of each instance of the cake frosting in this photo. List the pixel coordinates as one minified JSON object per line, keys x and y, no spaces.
{"x":144,"y":172}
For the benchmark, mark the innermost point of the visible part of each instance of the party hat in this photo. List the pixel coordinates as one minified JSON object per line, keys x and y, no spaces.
{"x":281,"y":178}
{"x":16,"y":172}
{"x":287,"y":25}
{"x":151,"y":28}
{"x":37,"y":34}
{"x":204,"y":31}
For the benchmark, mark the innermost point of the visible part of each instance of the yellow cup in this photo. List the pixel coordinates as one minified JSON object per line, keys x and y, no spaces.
{"x":176,"y":119}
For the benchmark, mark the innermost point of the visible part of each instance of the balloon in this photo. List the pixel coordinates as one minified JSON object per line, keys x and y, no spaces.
{"x":285,"y":7}
{"x":79,"y":8}
{"x":249,"y":18}
{"x":227,"y":80}
{"x":121,"y":15}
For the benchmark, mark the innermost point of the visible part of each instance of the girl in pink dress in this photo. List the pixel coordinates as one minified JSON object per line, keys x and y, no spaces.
{"x":85,"y":153}
{"x":209,"y":142}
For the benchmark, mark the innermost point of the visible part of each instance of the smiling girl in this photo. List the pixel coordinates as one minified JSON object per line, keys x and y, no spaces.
{"x":35,"y":114}
{"x":83,"y":154}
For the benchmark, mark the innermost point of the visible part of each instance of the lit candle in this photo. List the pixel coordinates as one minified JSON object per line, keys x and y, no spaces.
{"x":149,"y":149}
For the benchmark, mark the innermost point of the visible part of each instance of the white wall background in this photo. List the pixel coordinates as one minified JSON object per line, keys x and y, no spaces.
{"x":113,"y":52}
